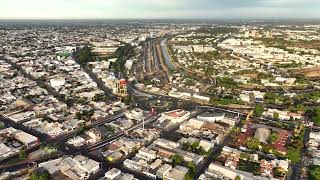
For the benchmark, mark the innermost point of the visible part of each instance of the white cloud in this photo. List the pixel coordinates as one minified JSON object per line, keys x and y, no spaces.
{"x":158,"y":8}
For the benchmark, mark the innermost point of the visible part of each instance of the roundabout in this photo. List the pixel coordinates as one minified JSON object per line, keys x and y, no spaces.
{"x":158,"y":103}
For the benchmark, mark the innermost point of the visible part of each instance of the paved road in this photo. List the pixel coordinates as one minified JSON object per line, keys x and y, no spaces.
{"x":136,"y":92}
{"x":95,"y":78}
{"x":65,"y":137}
{"x":216,"y":151}
{"x":24,"y":164}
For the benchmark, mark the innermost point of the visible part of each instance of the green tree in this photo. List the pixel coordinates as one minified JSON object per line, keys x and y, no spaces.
{"x":79,"y":115}
{"x":293,"y":154}
{"x":258,"y":110}
{"x":192,"y":167}
{"x":215,"y":53}
{"x":192,"y":170}
{"x":276,"y":115}
{"x":314,"y":172}
{"x":126,"y":99}
{"x":189,"y":82}
{"x":44,"y":175}
{"x":253,"y":143}
{"x":278,"y":124}
{"x":195,"y":146}
{"x":123,"y":53}
{"x":84,"y":55}
{"x":177,"y":159}
{"x":185,"y":146}
{"x":100,"y":97}
{"x":202,"y":151}
{"x":110,"y":128}
{"x":81,"y":129}
{"x":273,"y":137}
{"x":227,"y":82}
{"x":2,"y":126}
{"x":270,"y":95}
{"x":234,"y":133}
{"x":86,"y":114}
{"x":244,"y":156}
{"x":266,"y":148}
{"x":23,"y":154}
{"x":301,"y":108}
{"x":315,"y":116}
{"x":238,"y":178}
{"x":279,"y":172}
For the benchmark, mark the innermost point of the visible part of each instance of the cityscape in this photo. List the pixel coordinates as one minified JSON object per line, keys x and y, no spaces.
{"x":159,"y":98}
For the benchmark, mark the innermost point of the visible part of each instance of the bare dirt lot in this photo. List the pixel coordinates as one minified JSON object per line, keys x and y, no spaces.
{"x":310,"y":73}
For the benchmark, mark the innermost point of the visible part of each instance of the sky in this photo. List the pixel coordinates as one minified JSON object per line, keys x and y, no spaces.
{"x":154,"y":9}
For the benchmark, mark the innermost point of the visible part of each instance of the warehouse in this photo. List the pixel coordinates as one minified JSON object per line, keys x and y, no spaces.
{"x":27,"y":139}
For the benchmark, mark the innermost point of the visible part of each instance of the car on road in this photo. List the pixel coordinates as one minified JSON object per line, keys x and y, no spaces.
{"x":272,"y":155}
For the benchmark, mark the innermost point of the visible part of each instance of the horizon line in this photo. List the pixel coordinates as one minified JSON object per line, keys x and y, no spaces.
{"x":196,"y":18}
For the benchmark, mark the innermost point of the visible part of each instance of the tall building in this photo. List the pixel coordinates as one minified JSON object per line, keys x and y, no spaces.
{"x":247,"y":34}
{"x":269,"y":34}
{"x":122,"y":87}
{"x":254,"y":33}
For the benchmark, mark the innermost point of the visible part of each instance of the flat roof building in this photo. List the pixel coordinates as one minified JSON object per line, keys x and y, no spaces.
{"x":262,"y":134}
{"x":27,"y":139}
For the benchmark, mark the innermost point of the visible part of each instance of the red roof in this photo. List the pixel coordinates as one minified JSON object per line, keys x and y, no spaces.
{"x":123,"y":81}
{"x":244,"y":136}
{"x":280,"y":143}
{"x":113,"y":147}
{"x":176,"y":113}
{"x":291,"y":114}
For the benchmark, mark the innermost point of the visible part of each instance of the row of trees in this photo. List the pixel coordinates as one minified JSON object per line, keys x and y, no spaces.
{"x":314,"y":172}
{"x":85,"y":55}
{"x":211,"y":55}
{"x":296,"y":146}
{"x":226,"y":82}
{"x":225,"y":100}
{"x":273,"y":98}
{"x":314,"y":115}
{"x":194,"y":147}
{"x":123,"y":53}
{"x":216,"y":30}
